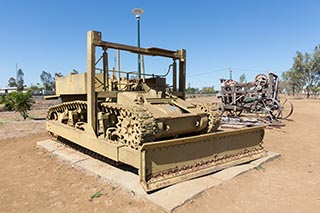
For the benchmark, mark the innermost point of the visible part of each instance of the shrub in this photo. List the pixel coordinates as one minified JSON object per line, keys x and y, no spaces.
{"x":19,"y":102}
{"x":8,"y":102}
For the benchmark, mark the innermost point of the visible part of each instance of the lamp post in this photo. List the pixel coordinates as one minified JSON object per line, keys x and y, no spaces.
{"x":138,"y":12}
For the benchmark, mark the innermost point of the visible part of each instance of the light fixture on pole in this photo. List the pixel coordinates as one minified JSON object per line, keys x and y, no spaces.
{"x":138,"y":12}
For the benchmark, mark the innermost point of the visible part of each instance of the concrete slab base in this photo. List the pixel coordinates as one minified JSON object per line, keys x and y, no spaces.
{"x":168,"y":198}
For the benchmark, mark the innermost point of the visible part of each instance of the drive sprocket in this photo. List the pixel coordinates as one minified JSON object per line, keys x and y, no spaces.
{"x":134,"y":125}
{"x":213,"y":116}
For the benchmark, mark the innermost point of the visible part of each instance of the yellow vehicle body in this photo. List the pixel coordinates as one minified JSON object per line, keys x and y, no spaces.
{"x":144,"y":123}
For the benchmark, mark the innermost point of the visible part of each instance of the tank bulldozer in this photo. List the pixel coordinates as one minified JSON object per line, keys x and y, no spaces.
{"x":138,"y":119}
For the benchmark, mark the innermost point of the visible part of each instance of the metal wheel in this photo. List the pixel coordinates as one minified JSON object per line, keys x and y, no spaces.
{"x":287,"y":109}
{"x":261,"y":80}
{"x":129,"y":129}
{"x":130,"y":126}
{"x":214,"y":116}
{"x":267,"y":108}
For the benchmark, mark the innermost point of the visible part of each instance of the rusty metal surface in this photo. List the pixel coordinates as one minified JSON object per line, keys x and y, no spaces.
{"x":260,"y":97}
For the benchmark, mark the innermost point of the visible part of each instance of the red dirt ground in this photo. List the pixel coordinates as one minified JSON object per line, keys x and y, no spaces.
{"x":31,"y":180}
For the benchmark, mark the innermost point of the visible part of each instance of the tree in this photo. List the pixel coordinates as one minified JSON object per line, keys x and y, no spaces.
{"x":33,"y":89}
{"x":8,"y":102}
{"x":12,"y":82}
{"x":47,"y":80}
{"x":19,"y":80}
{"x":23,"y":103}
{"x":307,"y":67}
{"x":242,"y":78}
{"x":207,"y":90}
{"x":192,"y":90}
{"x":19,"y":102}
{"x":292,"y":81}
{"x":283,"y":86}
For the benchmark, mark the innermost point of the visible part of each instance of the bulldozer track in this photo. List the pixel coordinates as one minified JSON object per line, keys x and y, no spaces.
{"x":84,"y":150}
{"x":135,"y":125}
{"x":52,"y":113}
{"x":213,"y":117}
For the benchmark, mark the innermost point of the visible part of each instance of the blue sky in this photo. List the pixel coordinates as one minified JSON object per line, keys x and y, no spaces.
{"x":248,"y":36}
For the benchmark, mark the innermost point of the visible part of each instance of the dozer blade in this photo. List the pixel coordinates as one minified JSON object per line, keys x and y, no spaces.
{"x":168,"y":162}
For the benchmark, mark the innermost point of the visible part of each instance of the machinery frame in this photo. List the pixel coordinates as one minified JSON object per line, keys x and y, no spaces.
{"x":180,"y":140}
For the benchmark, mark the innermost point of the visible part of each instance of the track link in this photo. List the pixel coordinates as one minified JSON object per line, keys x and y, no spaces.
{"x":80,"y":106}
{"x":213,"y":117}
{"x":134,"y":125}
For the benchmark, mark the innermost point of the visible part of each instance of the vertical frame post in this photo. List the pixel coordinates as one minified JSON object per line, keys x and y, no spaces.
{"x":182,"y":74}
{"x":92,"y":36}
{"x":105,"y":70}
{"x":174,"y":76}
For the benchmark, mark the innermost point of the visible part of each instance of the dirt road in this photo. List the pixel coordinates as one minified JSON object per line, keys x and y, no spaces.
{"x":32,"y":180}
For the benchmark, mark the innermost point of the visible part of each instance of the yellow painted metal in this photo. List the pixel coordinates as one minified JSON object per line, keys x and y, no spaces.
{"x":72,"y":84}
{"x":104,"y":114}
{"x":85,"y":139}
{"x":168,"y":162}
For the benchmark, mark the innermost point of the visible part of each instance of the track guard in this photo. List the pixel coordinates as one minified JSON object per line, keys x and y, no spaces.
{"x":168,"y":162}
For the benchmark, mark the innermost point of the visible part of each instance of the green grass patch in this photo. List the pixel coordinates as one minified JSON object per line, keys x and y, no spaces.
{"x":260,"y":168}
{"x":96,"y":195}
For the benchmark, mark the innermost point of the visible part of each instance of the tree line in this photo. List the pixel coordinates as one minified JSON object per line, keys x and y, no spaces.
{"x":304,"y":75}
{"x":203,"y":90}
{"x":46,"y":78}
{"x":18,"y":81}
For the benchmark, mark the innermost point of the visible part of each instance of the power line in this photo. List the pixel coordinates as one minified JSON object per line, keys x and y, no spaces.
{"x":205,"y":73}
{"x":236,"y":69}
